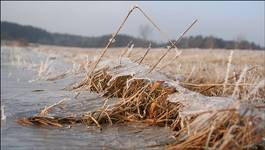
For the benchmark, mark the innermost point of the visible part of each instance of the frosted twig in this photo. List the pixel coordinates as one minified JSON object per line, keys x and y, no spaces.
{"x":178,"y":53}
{"x":256,"y":88}
{"x":227,"y":70}
{"x":130,"y":50}
{"x":111,"y":40}
{"x":241,"y":77}
{"x":173,"y":45}
{"x":47,"y":109}
{"x":3,"y":116}
{"x":125,"y":51}
{"x":146,"y":52}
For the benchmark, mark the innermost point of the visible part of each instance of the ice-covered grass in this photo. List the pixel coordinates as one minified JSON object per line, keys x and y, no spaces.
{"x":201,"y":120}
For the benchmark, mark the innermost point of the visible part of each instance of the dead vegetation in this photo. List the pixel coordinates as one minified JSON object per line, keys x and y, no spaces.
{"x":143,"y":96}
{"x":147,"y":101}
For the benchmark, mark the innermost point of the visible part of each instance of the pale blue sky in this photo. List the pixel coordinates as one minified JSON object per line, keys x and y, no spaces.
{"x":227,"y":20}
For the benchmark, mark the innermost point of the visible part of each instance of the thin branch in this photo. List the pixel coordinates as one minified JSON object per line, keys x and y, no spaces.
{"x":111,"y":40}
{"x":146,"y":52}
{"x":172,"y":46}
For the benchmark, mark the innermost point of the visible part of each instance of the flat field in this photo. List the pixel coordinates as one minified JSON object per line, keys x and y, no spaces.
{"x":196,"y":69}
{"x":40,"y":75}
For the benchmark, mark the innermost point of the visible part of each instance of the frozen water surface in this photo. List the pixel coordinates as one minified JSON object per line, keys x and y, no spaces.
{"x":24,"y":92}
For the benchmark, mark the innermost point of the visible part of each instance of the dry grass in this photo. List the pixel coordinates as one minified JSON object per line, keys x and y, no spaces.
{"x":211,"y":73}
{"x":146,"y":101}
{"x":223,"y":130}
{"x":203,"y":71}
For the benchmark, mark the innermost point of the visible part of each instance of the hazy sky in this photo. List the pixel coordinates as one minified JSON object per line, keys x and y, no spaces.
{"x":227,"y":20}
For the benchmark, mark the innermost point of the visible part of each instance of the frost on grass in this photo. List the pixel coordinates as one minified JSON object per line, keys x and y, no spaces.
{"x":155,"y":99}
{"x":142,"y":94}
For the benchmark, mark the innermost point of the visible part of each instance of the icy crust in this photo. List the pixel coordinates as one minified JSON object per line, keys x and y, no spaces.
{"x":125,"y":66}
{"x":77,"y":106}
{"x":194,"y":103}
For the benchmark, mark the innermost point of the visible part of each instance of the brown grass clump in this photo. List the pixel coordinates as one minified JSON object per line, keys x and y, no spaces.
{"x":222,"y":130}
{"x":138,"y":99}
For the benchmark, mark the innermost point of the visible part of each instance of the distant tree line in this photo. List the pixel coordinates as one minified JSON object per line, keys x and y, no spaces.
{"x":214,"y":43}
{"x":14,"y":31}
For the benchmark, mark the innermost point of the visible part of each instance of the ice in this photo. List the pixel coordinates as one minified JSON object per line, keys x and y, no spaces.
{"x":3,"y":116}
